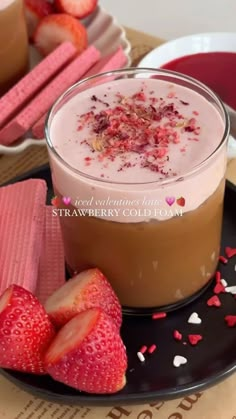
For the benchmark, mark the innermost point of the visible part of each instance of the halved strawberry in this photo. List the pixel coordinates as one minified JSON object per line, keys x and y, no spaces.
{"x":76,"y":8}
{"x":88,"y":354}
{"x":35,"y":10}
{"x":25,"y":331}
{"x":88,"y":289}
{"x":55,"y":29}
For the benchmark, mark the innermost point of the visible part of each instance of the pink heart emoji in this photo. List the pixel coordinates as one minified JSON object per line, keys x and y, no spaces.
{"x":66,"y":200}
{"x":170,"y":200}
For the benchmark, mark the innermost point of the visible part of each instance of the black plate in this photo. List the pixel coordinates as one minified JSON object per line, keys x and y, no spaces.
{"x":211,"y":361}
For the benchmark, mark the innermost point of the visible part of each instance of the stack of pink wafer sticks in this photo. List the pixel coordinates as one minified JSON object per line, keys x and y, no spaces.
{"x":31,"y":253}
{"x":29,"y":85}
{"x":32,"y":111}
{"x":112,"y":61}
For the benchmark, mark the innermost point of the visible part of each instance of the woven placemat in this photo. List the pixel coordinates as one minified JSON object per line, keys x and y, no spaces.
{"x":14,"y":165}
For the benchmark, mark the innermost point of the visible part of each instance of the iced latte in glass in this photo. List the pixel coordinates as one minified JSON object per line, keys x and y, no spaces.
{"x":13,"y":43}
{"x":138,"y":160}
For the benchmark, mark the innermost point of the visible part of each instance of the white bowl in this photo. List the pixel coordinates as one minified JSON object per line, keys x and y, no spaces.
{"x":187,"y":45}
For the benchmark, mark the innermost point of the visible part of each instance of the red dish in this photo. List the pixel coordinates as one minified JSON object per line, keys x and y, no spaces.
{"x":215,"y":69}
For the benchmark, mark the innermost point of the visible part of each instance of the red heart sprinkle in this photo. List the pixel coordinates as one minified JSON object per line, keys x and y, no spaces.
{"x":218,"y":276}
{"x":230,"y":252}
{"x":219,"y":288}
{"x":230,"y":320}
{"x":194,"y":339}
{"x":157,"y":316}
{"x":223,"y":260}
{"x":177,"y":335}
{"x":214,"y":301}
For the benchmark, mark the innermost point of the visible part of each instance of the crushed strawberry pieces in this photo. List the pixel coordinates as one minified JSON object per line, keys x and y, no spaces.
{"x":140,"y":124}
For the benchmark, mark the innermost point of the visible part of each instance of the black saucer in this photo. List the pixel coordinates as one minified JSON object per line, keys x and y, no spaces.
{"x":212,"y":360}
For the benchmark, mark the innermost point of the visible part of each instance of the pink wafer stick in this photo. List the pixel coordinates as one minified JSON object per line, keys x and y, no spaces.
{"x":113,"y":61}
{"x":24,"y":90}
{"x":41,"y":104}
{"x":22,"y":217}
{"x":38,"y":128}
{"x":52,"y":261}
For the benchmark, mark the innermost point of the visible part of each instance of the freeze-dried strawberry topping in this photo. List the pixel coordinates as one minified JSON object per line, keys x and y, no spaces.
{"x":140,"y":124}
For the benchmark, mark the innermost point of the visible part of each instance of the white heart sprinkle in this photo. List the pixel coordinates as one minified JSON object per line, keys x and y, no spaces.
{"x":179,"y":360}
{"x":224,"y":282}
{"x":194,"y":319}
{"x":231,"y":290}
{"x":140,"y":356}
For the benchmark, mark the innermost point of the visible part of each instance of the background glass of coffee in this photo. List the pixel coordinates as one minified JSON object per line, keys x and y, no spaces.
{"x":138,"y":161}
{"x":14,"y":57}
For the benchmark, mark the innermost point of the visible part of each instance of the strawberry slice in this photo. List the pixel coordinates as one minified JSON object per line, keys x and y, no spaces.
{"x":89,"y":289}
{"x":76,"y":8}
{"x":88,"y":354}
{"x":25,"y":331}
{"x":35,"y":10}
{"x":55,"y":29}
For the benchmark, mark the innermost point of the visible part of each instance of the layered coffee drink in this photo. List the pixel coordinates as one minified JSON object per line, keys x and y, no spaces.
{"x":13,"y":43}
{"x":138,"y":166}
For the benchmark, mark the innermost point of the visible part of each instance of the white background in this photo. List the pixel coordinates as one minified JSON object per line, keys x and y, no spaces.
{"x":172,"y":18}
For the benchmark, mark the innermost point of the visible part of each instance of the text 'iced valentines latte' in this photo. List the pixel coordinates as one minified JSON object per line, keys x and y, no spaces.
{"x":138,"y":163}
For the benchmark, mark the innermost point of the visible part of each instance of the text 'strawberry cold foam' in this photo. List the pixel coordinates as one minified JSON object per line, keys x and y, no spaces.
{"x":138,"y":163}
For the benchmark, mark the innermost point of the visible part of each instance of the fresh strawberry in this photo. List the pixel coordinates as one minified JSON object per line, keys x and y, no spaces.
{"x":35,"y":10}
{"x":55,"y":29}
{"x":76,"y":8}
{"x":25,"y":331}
{"x":88,"y":354}
{"x":88,"y":289}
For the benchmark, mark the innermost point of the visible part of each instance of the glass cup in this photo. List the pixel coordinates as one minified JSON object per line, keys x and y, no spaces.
{"x":151,"y":259}
{"x":14,"y":54}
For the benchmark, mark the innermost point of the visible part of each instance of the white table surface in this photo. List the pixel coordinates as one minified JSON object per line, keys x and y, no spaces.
{"x":173,"y":18}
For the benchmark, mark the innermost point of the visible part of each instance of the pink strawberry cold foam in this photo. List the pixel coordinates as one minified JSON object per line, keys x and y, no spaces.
{"x":131,"y":139}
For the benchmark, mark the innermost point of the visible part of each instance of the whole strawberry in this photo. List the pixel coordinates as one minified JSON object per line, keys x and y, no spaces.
{"x":88,"y":354}
{"x":88,"y":289}
{"x":25,"y":331}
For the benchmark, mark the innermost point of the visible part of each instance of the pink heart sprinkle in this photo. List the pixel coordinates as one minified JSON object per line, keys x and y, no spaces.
{"x":214,"y":301}
{"x":66,"y":200}
{"x":230,"y":320}
{"x":194,"y":339}
{"x":230,"y":252}
{"x":219,"y":288}
{"x":170,"y":200}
